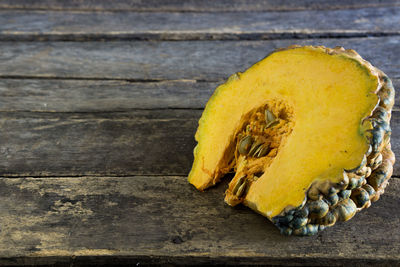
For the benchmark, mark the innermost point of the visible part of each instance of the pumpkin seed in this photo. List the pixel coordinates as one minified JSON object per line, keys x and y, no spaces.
{"x":241,"y":189}
{"x":264,"y":151}
{"x":254,"y":147}
{"x":258,"y":151}
{"x":245,"y":144}
{"x":270,"y":119}
{"x":269,"y":116}
{"x":272,"y":124}
{"x":238,"y":184}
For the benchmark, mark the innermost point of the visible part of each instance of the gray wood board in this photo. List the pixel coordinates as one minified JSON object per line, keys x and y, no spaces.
{"x":169,"y":60}
{"x":50,"y":144}
{"x":78,"y":26}
{"x":167,"y":220}
{"x":140,"y":142}
{"x":192,"y":5}
{"x":53,"y":95}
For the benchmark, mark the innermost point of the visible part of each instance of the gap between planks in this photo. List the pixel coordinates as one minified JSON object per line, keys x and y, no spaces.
{"x":205,"y":36}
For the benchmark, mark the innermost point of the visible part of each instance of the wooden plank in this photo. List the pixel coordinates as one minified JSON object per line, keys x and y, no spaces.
{"x":140,"y":142}
{"x":52,"y":95}
{"x":194,"y":60}
{"x":46,"y":144}
{"x":101,"y":96}
{"x":66,"y":26}
{"x":192,"y":5}
{"x":165,"y":220}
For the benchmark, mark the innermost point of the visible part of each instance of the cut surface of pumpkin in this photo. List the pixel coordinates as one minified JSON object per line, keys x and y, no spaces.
{"x":306,"y":131}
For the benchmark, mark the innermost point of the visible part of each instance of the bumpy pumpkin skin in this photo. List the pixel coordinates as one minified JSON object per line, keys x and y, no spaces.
{"x":255,"y":143}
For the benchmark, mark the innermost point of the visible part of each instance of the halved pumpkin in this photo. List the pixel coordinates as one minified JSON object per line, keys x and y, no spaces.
{"x":306,"y":131}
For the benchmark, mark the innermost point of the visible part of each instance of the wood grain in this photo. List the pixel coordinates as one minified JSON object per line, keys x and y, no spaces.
{"x":53,"y":95}
{"x":51,"y":144}
{"x":63,"y":219}
{"x":57,"y":95}
{"x":80,"y":26}
{"x":139,"y":142}
{"x":193,"y":60}
{"x":192,"y":5}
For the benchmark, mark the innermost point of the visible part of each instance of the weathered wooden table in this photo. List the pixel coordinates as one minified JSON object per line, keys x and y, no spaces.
{"x":99,"y":103}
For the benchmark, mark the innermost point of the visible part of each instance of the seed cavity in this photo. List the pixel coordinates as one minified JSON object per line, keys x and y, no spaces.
{"x":257,"y":144}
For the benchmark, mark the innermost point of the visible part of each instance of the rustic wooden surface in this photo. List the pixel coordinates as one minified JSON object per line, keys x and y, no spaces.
{"x":99,"y":103}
